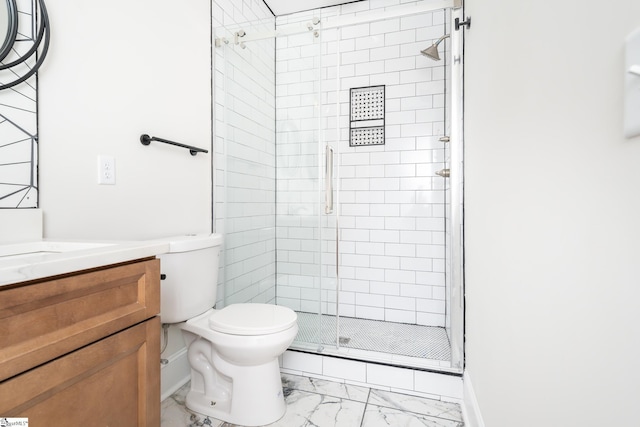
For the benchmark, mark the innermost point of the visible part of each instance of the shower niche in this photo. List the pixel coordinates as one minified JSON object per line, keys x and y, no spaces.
{"x":366,"y":121}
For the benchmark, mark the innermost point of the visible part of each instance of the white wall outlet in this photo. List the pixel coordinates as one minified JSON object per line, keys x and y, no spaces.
{"x":106,"y":170}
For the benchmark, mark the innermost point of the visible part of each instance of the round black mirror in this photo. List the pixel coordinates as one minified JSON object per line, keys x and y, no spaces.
{"x":8,"y":26}
{"x":41,"y":39}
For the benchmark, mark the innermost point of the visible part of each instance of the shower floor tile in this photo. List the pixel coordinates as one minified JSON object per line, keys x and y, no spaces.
{"x":427,"y":342}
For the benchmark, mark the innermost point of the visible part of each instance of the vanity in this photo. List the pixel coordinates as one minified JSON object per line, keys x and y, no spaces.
{"x":79,"y":333}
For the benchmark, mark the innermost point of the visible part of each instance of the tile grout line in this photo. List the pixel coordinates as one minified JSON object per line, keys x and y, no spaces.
{"x":366,"y":404}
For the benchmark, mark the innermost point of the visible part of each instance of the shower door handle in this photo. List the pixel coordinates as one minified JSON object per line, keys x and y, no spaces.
{"x":328,"y":180}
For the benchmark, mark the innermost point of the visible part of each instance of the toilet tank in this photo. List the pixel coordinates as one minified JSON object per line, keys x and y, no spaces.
{"x":190,"y":276}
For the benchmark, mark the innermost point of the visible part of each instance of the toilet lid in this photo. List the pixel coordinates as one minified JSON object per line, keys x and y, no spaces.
{"x":252,"y":319}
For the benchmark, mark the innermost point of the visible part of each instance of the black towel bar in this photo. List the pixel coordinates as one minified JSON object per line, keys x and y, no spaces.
{"x":146,"y":140}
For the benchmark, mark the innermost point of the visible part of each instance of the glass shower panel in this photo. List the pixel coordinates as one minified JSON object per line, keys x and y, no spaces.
{"x":302,"y":224}
{"x":392,"y":210}
{"x":245,"y":177}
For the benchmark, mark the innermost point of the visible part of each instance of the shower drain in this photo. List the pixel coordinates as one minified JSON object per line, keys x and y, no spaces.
{"x":344,"y":340}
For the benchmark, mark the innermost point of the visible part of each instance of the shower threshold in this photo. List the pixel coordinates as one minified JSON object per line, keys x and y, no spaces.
{"x":401,"y":344}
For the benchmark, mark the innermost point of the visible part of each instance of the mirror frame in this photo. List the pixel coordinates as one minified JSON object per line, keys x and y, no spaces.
{"x":12,"y":29}
{"x":44,"y":34}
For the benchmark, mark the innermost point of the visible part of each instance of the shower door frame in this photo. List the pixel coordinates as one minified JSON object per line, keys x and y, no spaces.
{"x":456,"y":193}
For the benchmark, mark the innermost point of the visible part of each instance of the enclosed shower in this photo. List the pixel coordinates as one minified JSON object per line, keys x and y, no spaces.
{"x":334,"y":151}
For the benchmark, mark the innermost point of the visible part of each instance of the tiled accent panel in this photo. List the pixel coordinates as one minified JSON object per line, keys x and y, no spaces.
{"x":391,"y":205}
{"x":19,"y":123}
{"x":244,"y":195}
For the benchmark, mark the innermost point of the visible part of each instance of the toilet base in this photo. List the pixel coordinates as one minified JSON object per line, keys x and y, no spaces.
{"x":251,"y":403}
{"x":235,"y":378}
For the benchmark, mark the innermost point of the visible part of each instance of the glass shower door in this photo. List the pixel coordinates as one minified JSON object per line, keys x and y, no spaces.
{"x":305,"y":197}
{"x":380,"y":287}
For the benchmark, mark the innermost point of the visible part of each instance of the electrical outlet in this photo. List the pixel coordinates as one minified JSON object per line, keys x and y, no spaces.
{"x":106,"y":170}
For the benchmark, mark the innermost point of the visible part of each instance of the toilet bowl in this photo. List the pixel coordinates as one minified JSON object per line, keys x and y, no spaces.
{"x":235,"y":374}
{"x":233,"y":352}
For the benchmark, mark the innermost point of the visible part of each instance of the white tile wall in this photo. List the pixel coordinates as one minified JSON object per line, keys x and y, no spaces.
{"x":392,"y":378}
{"x":391,"y":204}
{"x":392,"y":210}
{"x":245,"y":153}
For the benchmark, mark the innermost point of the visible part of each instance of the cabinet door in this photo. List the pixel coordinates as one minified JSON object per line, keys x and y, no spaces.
{"x":113,"y":382}
{"x":47,"y":319}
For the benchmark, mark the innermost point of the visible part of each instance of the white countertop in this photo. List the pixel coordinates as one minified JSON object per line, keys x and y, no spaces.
{"x":24,"y":261}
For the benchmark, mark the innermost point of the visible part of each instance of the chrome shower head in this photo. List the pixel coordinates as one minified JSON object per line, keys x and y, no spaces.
{"x":432,"y":51}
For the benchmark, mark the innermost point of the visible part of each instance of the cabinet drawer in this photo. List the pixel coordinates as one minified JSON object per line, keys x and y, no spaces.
{"x":113,"y":382}
{"x":43,"y":320}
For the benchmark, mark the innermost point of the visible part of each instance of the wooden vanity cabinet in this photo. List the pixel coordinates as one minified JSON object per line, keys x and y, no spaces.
{"x":83,"y":349}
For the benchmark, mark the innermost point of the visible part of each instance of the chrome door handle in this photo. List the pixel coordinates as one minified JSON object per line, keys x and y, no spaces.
{"x":328,"y":180}
{"x":445,"y":173}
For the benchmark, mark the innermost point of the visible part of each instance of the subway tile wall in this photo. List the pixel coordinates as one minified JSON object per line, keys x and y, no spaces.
{"x":391,"y":378}
{"x":244,"y":96}
{"x":391,"y":205}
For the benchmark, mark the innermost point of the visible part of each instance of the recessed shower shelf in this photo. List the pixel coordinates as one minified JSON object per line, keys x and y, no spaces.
{"x":366,"y":121}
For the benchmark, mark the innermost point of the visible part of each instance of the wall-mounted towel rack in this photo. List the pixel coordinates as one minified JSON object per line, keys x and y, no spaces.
{"x":146,"y":140}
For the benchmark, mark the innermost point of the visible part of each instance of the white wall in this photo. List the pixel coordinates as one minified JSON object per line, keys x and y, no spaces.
{"x":551,"y":214}
{"x":116,"y":70}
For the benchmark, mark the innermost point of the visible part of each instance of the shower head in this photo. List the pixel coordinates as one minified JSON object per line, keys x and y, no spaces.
{"x":432,"y":51}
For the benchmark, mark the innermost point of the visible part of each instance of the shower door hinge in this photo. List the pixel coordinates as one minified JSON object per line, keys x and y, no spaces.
{"x":466,"y":23}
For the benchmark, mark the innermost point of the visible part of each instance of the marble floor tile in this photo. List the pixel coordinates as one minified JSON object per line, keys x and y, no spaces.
{"x":321,"y":403}
{"x":329,"y":388}
{"x":379,"y":416}
{"x":304,"y":408}
{"x":419,"y":405}
{"x":174,"y":413}
{"x":313,"y":409}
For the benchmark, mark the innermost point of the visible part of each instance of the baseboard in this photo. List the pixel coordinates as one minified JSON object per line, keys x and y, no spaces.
{"x":470,"y":408}
{"x":174,"y":374}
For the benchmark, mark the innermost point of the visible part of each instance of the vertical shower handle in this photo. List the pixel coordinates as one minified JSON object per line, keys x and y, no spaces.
{"x":328,"y":180}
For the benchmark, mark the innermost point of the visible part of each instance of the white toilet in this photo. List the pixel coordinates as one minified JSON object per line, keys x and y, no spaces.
{"x":233,"y":352}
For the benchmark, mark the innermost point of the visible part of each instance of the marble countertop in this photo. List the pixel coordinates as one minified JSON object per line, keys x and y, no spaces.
{"x":30,"y":260}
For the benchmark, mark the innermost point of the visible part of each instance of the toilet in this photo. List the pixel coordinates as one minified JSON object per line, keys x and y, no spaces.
{"x":233,"y":352}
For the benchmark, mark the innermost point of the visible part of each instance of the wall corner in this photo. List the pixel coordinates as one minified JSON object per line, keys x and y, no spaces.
{"x":470,"y":408}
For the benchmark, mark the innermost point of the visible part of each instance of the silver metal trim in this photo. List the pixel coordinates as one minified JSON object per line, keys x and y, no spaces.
{"x":328,"y":180}
{"x":445,"y":173}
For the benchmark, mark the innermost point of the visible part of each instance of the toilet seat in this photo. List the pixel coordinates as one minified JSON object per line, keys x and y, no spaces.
{"x":252,"y":319}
